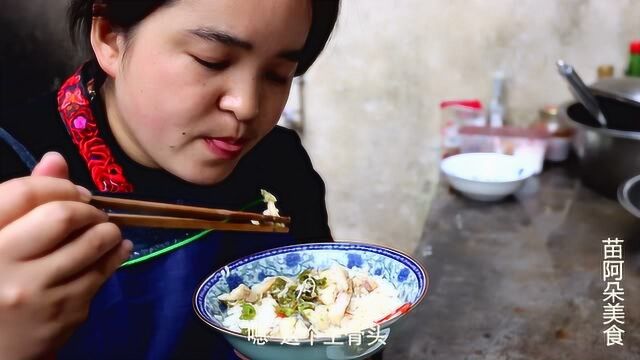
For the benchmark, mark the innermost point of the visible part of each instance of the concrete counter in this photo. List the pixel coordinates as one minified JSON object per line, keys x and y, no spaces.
{"x":522,"y":279}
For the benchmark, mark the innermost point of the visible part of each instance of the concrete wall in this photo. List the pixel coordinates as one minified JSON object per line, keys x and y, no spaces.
{"x":372,"y":99}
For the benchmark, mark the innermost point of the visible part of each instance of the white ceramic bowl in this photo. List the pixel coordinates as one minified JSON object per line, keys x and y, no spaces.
{"x":485,"y":176}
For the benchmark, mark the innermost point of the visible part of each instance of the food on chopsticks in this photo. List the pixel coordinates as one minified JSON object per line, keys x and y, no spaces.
{"x":271,"y":210}
{"x":332,"y":302}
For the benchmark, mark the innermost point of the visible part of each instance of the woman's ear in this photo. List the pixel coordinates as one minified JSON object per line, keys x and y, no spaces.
{"x":108,"y":45}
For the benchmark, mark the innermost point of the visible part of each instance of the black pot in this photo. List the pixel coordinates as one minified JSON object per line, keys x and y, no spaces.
{"x":608,"y":156}
{"x":629,"y":195}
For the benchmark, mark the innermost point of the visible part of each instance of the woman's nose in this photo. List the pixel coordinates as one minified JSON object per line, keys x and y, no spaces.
{"x":242,"y":99}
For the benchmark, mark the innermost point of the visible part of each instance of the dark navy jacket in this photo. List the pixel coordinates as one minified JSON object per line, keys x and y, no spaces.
{"x":145,"y":310}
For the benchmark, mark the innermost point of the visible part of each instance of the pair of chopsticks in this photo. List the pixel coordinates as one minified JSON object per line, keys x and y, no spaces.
{"x":139,"y":213}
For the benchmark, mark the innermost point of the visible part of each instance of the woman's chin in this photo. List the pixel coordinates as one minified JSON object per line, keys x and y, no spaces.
{"x":212,"y":179}
{"x":203,"y":175}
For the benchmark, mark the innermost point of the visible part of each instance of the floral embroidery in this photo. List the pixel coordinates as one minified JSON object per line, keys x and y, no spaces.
{"x":75,"y":110}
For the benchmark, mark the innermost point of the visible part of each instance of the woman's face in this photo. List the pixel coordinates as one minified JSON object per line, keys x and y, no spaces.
{"x":202,"y":81}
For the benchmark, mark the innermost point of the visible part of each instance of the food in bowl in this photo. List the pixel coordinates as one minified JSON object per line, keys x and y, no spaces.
{"x":328,"y":303}
{"x":406,"y":275}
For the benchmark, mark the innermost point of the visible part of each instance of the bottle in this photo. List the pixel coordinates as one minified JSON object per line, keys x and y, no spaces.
{"x":634,"y":59}
{"x":605,"y":71}
{"x":457,"y":114}
{"x":496,"y":108}
{"x":559,"y":141}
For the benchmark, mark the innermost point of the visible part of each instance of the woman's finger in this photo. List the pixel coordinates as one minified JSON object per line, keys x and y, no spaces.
{"x":86,"y":284}
{"x":52,"y":164}
{"x":46,"y":227}
{"x":19,"y":196}
{"x":70,"y":300}
{"x":82,"y":252}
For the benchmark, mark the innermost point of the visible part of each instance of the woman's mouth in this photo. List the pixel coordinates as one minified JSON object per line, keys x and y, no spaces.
{"x":226,"y":148}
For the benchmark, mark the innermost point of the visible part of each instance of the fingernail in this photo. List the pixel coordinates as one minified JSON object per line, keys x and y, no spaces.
{"x":50,"y":154}
{"x":85,"y":194}
{"x":127,"y":246}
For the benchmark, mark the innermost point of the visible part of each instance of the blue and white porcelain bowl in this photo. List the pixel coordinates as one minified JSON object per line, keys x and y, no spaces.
{"x":405,"y":273}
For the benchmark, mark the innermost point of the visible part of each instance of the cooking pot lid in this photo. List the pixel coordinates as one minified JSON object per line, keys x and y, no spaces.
{"x":621,"y":87}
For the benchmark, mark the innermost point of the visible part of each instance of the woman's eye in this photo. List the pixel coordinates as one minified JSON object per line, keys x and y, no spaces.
{"x":276,"y":78}
{"x":220,"y":65}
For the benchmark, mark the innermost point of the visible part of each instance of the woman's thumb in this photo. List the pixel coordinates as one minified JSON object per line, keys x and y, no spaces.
{"x":52,"y":164}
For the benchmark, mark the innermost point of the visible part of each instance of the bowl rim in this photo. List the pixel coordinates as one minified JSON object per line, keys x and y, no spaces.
{"x":386,"y":323}
{"x":525,"y":175}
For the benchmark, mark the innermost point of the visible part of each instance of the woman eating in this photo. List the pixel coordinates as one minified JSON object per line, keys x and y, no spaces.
{"x":177,"y":102}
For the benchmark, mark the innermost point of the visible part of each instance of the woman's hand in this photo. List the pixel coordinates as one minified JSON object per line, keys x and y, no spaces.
{"x":56,"y":251}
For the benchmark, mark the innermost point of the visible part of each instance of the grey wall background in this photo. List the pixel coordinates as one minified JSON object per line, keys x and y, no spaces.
{"x":372,"y":100}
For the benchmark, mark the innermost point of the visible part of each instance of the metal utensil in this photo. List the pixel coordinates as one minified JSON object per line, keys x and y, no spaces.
{"x":581,"y":91}
{"x":624,"y":89}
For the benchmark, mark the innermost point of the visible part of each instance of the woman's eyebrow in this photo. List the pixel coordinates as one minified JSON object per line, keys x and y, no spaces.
{"x":222,"y":37}
{"x":219,"y":36}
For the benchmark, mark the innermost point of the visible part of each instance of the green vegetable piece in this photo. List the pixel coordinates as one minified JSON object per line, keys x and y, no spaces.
{"x":305,"y":306}
{"x":248,"y":312}
{"x":277,"y":286}
{"x":292,"y":293}
{"x":321,"y":282}
{"x":289,"y":297}
{"x":244,"y":331}
{"x":285,"y":310}
{"x":304,"y":275}
{"x":267,"y":196}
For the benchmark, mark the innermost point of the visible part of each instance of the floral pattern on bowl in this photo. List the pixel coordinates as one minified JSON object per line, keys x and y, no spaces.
{"x":406,"y":274}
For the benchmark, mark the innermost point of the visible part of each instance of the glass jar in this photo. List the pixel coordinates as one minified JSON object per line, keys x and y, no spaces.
{"x":560,"y":134}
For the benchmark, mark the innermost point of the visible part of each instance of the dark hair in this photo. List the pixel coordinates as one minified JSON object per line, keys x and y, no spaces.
{"x":126,"y":14}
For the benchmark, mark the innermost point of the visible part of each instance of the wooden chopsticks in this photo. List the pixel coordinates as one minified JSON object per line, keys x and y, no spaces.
{"x":130,"y":212}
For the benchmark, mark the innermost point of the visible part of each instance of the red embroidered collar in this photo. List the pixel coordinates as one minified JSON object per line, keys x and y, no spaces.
{"x":75,"y":109}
